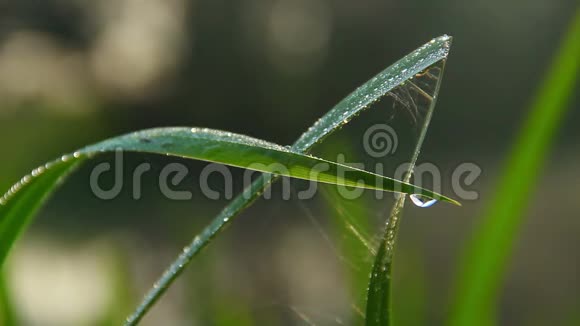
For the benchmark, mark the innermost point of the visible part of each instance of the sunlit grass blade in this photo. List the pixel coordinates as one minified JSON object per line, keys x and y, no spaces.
{"x":483,"y":264}
{"x":19,"y":205}
{"x":359,"y":100}
{"x":378,"y":310}
{"x":23,"y":200}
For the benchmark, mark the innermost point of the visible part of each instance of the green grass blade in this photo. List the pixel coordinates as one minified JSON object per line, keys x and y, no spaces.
{"x":19,"y":205}
{"x":373,"y":90}
{"x":359,"y":100}
{"x":484,"y":262}
{"x":378,"y":311}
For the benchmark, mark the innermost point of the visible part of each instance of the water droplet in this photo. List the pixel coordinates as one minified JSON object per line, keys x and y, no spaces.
{"x":38,"y":171}
{"x":77,"y":154}
{"x":420,"y":201}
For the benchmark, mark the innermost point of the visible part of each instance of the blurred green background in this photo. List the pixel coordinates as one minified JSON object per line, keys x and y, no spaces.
{"x":73,"y":72}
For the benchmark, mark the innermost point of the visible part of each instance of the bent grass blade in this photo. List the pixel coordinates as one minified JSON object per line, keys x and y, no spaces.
{"x":22,"y":201}
{"x":348,"y":108}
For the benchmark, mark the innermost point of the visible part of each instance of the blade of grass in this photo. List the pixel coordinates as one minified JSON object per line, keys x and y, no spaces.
{"x":378,"y":311}
{"x":373,"y":90}
{"x":24,"y":199}
{"x":483,"y":264}
{"x":18,"y":206}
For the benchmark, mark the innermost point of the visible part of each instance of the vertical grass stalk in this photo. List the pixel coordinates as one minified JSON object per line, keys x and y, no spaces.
{"x":379,"y":298}
{"x":483,"y":264}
